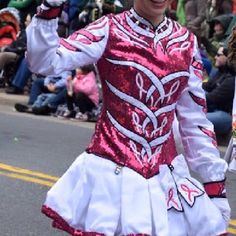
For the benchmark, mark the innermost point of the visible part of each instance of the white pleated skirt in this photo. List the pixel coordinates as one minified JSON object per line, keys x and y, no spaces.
{"x":93,"y":199}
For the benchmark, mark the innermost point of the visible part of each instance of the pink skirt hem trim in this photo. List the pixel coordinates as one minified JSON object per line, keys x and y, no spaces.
{"x":60,"y":223}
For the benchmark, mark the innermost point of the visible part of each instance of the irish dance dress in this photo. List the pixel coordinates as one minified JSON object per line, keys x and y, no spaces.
{"x":131,"y":180}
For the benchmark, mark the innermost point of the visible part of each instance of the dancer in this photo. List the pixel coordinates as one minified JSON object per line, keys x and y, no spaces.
{"x":130,"y":180}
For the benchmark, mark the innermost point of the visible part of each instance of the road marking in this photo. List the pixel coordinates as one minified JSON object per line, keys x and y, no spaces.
{"x":27,"y":175}
{"x":232,"y":231}
{"x":27,"y":178}
{"x":232,"y":227}
{"x":233,"y":222}
{"x":48,"y":180}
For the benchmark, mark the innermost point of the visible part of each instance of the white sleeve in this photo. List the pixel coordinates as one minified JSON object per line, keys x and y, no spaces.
{"x":196,"y":131}
{"x":47,"y":54}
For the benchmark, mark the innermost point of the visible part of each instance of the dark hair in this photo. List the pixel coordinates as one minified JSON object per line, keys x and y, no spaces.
{"x":225,"y":51}
{"x":88,"y":68}
{"x":232,"y":48}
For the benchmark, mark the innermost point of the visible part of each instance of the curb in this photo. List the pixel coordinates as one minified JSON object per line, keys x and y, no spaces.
{"x":10,"y":99}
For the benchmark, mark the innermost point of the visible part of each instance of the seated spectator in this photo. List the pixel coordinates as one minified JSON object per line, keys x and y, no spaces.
{"x":12,"y":56}
{"x":21,"y":78}
{"x":53,"y":93}
{"x":219,"y":94}
{"x":217,"y":34}
{"x":195,"y":13}
{"x":6,"y":59}
{"x":82,"y":91}
{"x":23,"y":74}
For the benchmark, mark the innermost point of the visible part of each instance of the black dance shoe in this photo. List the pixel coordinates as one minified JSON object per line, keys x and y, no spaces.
{"x":14,"y":90}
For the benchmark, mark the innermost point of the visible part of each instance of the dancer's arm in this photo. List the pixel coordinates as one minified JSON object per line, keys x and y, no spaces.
{"x":197,"y":132}
{"x":48,"y":54}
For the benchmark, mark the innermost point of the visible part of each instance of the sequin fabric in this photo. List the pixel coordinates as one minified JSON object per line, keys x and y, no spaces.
{"x":60,"y":223}
{"x":143,"y":72}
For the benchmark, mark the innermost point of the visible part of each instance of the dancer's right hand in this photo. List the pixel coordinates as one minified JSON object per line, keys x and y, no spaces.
{"x":50,"y":9}
{"x":55,"y":3}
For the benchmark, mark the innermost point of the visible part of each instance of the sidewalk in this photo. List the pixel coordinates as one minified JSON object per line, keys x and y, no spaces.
{"x":10,"y":100}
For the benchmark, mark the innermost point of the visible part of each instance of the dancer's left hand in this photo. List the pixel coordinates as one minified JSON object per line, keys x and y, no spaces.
{"x":223,"y":205}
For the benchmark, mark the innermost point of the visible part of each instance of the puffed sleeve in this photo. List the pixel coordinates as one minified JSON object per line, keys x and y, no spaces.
{"x":196,"y":131}
{"x":47,"y":54}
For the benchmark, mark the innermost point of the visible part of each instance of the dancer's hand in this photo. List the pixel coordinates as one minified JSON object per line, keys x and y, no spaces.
{"x":55,"y":3}
{"x":223,"y":205}
{"x":50,"y":9}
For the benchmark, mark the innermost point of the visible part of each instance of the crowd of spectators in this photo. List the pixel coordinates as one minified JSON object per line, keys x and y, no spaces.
{"x":210,"y":20}
{"x":48,"y":94}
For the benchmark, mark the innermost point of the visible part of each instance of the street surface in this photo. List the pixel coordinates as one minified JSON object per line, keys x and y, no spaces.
{"x":34,"y":152}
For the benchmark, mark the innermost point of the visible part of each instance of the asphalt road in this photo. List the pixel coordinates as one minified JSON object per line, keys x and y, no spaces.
{"x":38,"y":146}
{"x":34,"y":151}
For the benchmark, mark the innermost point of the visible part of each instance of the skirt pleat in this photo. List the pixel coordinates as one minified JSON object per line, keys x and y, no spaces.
{"x":93,"y":199}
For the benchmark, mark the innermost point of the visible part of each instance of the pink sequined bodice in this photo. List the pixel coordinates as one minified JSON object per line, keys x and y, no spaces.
{"x":143,"y":72}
